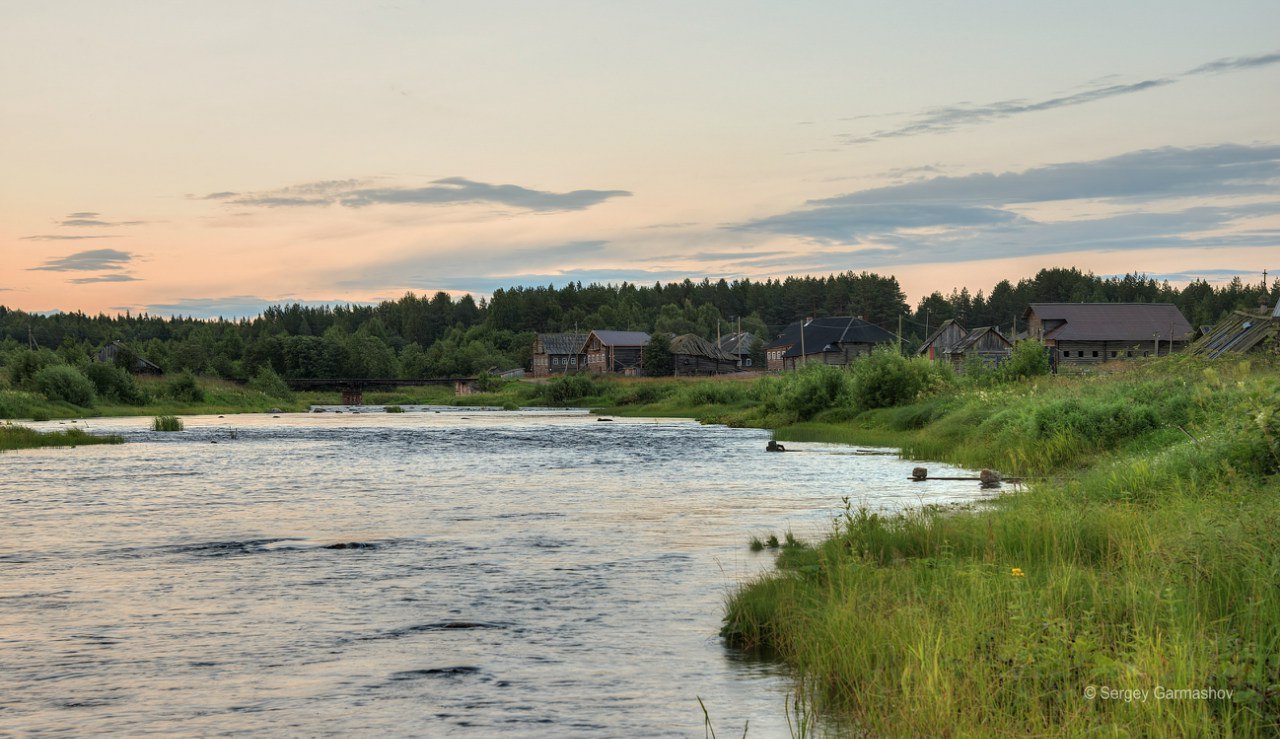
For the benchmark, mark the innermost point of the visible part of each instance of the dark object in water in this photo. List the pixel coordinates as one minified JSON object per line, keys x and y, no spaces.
{"x":352,"y":545}
{"x":920,"y":473}
{"x":774,"y":446}
{"x":989,"y":478}
{"x":604,"y":419}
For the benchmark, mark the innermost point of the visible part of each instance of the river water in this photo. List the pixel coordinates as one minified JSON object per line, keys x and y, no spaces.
{"x":461,"y":573}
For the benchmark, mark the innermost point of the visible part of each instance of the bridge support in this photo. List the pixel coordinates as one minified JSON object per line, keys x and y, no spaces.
{"x":352,"y":396}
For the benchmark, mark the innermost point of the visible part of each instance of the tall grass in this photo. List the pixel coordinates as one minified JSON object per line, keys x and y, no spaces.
{"x":1149,"y":557}
{"x":21,"y":437}
{"x":166,"y":423}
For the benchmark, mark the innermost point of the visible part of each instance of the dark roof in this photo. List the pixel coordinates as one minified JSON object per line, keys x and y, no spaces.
{"x":738,"y":343}
{"x":622,"y":338}
{"x":562,"y":343}
{"x":1112,"y":321}
{"x":826,"y":334}
{"x":695,"y":345}
{"x":1238,"y":333}
{"x":938,"y":332}
{"x":973,"y":337}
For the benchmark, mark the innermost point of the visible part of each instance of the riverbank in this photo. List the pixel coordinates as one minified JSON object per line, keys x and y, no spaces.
{"x":1146,"y":559}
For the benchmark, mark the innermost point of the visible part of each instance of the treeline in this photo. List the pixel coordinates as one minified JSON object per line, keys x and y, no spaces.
{"x":419,"y":337}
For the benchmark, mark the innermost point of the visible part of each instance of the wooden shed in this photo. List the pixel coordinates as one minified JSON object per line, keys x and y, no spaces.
{"x":109,"y":353}
{"x":942,"y":339}
{"x":739,"y":345}
{"x":615,"y":352}
{"x":1240,"y":332}
{"x":693,"y":355}
{"x":986,"y":344}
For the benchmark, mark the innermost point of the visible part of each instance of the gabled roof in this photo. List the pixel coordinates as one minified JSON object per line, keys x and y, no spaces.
{"x":738,"y":343}
{"x":1112,"y":321}
{"x":562,"y":343}
{"x":621,"y":338}
{"x":695,"y":345}
{"x":938,"y":332}
{"x":974,"y":337}
{"x":827,"y":334}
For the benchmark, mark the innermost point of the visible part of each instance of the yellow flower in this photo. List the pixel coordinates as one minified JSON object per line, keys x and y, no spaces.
{"x":1017,"y":572}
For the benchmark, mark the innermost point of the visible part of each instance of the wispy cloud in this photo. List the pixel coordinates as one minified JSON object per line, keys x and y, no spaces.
{"x":451,"y":190}
{"x":66,"y":237}
{"x":116,"y":277}
{"x":88,"y":261}
{"x":97,"y":223}
{"x":951,"y":117}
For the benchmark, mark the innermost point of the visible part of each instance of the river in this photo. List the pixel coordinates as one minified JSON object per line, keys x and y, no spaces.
{"x":437,"y":572}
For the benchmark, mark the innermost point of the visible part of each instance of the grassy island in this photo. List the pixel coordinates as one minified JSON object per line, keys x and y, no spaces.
{"x":20,"y":437}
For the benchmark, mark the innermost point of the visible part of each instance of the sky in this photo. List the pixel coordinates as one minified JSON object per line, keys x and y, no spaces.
{"x":213,"y":158}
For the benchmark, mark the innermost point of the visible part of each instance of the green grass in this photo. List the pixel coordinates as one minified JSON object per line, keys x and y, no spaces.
{"x":166,"y":423}
{"x":1149,"y":556}
{"x":21,"y":437}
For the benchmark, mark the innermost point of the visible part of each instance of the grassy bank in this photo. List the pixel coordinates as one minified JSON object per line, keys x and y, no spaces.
{"x":20,"y":437}
{"x":1147,"y":559}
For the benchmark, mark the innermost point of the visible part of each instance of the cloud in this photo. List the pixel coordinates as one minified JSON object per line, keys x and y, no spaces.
{"x":451,"y":190}
{"x":981,"y":199}
{"x":95,"y":222}
{"x":83,"y":214}
{"x":849,"y":222}
{"x":237,"y":306}
{"x":96,"y":259}
{"x":104,"y":278}
{"x":66,"y":237}
{"x":951,"y":117}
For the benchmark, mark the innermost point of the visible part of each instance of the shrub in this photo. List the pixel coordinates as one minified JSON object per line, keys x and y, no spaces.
{"x":184,"y":388}
{"x":886,"y":379}
{"x":166,"y":423}
{"x":815,"y":388}
{"x":114,"y":383}
{"x":564,"y":390}
{"x":66,"y":383}
{"x":1028,"y":359}
{"x":24,"y":364}
{"x":267,"y":382}
{"x":714,"y":393}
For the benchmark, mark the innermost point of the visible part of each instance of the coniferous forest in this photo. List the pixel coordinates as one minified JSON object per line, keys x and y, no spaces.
{"x":439,"y":336}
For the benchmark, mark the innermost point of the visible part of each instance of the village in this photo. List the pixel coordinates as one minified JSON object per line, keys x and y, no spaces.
{"x":1075,"y":335}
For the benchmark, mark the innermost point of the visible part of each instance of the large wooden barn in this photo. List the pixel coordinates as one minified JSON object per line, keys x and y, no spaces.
{"x":619,"y":352}
{"x":557,"y":354}
{"x":834,"y":340}
{"x":1090,"y":333}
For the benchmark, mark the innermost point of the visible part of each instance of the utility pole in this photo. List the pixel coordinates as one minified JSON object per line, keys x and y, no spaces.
{"x":899,"y":334}
{"x":804,"y":358}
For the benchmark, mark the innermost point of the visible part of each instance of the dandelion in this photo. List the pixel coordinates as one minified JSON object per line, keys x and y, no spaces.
{"x":1017,"y":572}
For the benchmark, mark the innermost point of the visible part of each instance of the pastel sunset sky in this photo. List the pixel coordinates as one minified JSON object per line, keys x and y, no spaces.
{"x":212,"y":158}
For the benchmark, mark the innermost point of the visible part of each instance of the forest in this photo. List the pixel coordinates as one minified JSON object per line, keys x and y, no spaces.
{"x":440,"y":336}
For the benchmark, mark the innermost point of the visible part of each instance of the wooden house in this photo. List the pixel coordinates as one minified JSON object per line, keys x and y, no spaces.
{"x":943,"y":338}
{"x":1240,"y":332}
{"x":739,"y":345}
{"x":109,"y":353}
{"x":1090,"y":333}
{"x":693,"y":355}
{"x":985,"y":344}
{"x":557,"y":354}
{"x":836,"y":340}
{"x":615,"y":352}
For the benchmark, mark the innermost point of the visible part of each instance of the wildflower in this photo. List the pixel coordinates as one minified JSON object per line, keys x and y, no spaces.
{"x":1017,"y":572}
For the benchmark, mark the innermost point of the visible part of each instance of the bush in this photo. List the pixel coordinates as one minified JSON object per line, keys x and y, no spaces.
{"x":1028,"y":359}
{"x":114,"y":383}
{"x":564,"y":390}
{"x":267,"y":382}
{"x":166,"y":423}
{"x":815,"y":388}
{"x":184,"y":388}
{"x":24,"y":364}
{"x":66,"y":383}
{"x":886,"y":379}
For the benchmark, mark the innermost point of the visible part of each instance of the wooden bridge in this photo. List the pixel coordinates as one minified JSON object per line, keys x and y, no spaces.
{"x":352,"y":388}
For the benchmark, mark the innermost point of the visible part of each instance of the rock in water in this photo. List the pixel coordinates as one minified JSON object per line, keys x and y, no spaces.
{"x":920,"y":473}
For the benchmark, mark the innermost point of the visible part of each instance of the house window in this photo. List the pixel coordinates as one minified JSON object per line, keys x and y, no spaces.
{"x":1113,"y":353}
{"x":1095,"y":353}
{"x":1129,"y":353}
{"x":747,"y":361}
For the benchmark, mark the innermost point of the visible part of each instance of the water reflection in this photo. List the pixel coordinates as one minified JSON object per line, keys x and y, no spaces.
{"x":469,"y":572}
